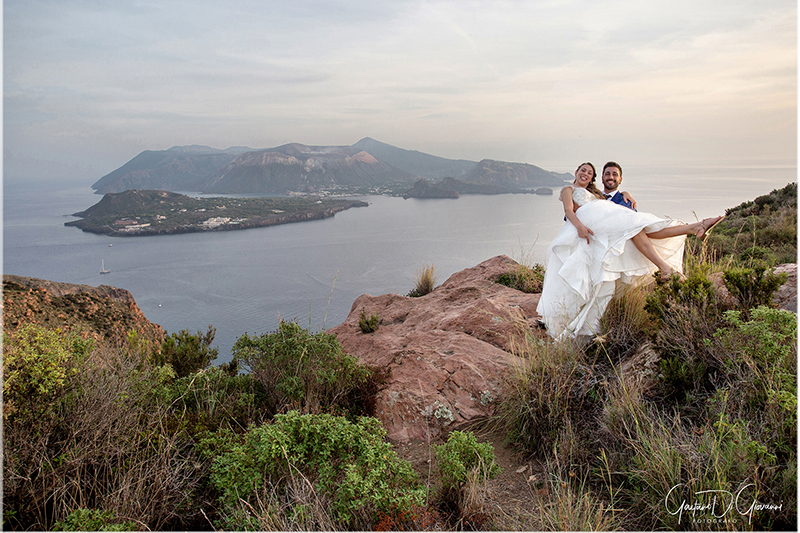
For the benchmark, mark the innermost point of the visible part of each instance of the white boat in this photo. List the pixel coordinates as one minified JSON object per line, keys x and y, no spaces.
{"x":103,"y":267}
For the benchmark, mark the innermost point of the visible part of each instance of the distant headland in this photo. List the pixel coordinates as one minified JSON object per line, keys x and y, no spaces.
{"x":365,"y":168}
{"x":147,"y":212}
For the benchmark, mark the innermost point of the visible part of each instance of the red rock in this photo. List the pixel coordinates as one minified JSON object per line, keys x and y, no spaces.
{"x":448,"y":351}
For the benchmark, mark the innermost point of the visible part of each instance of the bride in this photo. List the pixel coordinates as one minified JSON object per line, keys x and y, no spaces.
{"x":600,"y":243}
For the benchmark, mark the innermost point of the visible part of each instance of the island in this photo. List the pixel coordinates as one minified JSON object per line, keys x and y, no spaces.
{"x":148,"y":212}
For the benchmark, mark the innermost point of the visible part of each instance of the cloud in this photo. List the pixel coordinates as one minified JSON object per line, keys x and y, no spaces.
{"x":541,"y":81}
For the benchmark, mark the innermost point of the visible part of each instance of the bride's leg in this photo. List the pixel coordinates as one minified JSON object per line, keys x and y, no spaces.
{"x":695,"y":228}
{"x":642,"y":242}
{"x":674,"y":231}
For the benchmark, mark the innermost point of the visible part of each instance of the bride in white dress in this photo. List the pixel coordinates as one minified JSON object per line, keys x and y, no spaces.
{"x":600,"y":243}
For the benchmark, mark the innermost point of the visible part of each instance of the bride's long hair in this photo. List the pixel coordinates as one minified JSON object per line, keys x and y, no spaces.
{"x":592,"y":188}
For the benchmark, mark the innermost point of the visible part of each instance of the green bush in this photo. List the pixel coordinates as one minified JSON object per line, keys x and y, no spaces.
{"x":461,"y":454}
{"x":743,"y":436}
{"x":303,"y":470}
{"x":101,"y":443}
{"x":209,"y":400}
{"x":93,"y":520}
{"x":304,"y":371}
{"x":368,"y":325}
{"x":187,"y":353}
{"x":753,"y":286}
{"x":524,"y":278}
{"x":685,"y":316}
{"x":465,"y":468}
{"x":37,"y":364}
{"x":765,"y":229}
{"x":759,"y":356}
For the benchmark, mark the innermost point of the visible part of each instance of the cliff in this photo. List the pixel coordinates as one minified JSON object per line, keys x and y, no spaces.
{"x":102,"y":312}
{"x":448,"y":351}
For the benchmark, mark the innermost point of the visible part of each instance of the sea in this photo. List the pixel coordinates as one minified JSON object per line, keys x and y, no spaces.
{"x":247,"y":281}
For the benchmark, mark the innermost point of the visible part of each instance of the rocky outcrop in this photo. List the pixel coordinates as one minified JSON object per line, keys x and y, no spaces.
{"x":448,"y":351}
{"x":425,"y":189}
{"x":786,"y":296}
{"x":98,"y":312}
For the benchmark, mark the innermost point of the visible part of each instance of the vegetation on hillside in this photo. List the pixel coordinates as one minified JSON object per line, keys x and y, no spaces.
{"x":764,"y":229}
{"x":686,"y":396}
{"x":137,"y":213}
{"x":682,"y":414}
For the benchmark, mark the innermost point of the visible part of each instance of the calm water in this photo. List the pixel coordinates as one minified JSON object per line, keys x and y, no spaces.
{"x":246,"y":281}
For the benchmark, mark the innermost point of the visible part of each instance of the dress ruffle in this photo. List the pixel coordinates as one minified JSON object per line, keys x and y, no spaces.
{"x":581,"y":278}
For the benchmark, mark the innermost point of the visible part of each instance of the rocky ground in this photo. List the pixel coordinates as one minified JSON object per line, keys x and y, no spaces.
{"x":99,"y":312}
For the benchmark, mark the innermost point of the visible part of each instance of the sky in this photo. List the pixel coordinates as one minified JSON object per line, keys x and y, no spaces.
{"x":90,"y":84}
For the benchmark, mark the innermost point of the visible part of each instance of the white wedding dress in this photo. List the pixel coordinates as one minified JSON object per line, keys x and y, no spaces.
{"x":580,"y":277}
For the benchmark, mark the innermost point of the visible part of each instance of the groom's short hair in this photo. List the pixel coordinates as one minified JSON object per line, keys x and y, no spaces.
{"x":612,"y":164}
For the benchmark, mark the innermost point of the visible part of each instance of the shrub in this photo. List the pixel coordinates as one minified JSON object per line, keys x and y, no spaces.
{"x":686,"y":315}
{"x":742,"y":437}
{"x":759,"y":356}
{"x":310,"y":472}
{"x":465,"y":467}
{"x":93,"y":520}
{"x":754,"y":286}
{"x":368,"y":325}
{"x":187,"y":353}
{"x":547,"y":397}
{"x":425,"y":282}
{"x":767,"y":226}
{"x":209,"y":400}
{"x":524,"y":278}
{"x":304,"y":371}
{"x":102,"y":443}
{"x":37,"y":365}
{"x":461,"y":454}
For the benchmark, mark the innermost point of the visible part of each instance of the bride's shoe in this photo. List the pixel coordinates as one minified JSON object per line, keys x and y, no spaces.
{"x":707,"y":225}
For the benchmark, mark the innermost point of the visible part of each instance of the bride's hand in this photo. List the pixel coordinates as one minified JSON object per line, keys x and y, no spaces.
{"x":584,"y":232}
{"x":628,"y":198}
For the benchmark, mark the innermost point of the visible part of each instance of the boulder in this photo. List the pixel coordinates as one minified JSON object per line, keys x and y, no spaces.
{"x":448,"y":351}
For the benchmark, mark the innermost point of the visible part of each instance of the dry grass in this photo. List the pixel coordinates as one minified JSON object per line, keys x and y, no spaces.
{"x":105,"y":446}
{"x":424,"y":281}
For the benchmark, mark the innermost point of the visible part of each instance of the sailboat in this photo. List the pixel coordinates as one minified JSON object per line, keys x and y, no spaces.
{"x":103,"y":267}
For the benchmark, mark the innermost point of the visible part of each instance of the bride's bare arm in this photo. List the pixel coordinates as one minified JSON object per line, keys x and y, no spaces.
{"x":569,"y":212}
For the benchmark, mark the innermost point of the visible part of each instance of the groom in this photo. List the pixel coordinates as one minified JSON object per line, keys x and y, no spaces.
{"x":612,"y":177}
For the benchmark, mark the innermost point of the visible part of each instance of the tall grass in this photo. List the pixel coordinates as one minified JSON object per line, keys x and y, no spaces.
{"x":424,"y":281}
{"x":102,"y":443}
{"x":680,"y":399}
